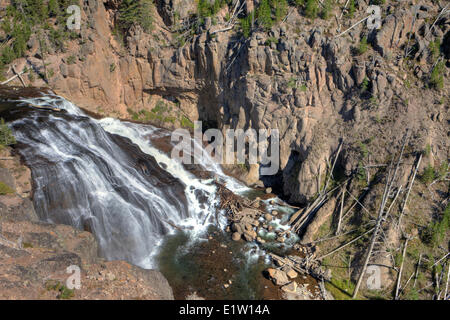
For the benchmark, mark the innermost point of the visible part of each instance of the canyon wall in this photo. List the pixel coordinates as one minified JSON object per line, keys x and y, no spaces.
{"x":299,"y":78}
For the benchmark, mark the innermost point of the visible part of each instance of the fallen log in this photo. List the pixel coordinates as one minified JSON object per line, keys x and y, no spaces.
{"x":11,"y":79}
{"x":344,"y":245}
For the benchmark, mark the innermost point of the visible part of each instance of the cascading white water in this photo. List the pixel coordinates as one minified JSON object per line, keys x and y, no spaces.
{"x":85,"y":178}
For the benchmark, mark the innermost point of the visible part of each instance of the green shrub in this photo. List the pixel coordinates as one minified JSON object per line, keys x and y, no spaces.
{"x":6,"y":136}
{"x":428,"y":174}
{"x":53,"y":8}
{"x":71,"y":60}
{"x":363,"y":46}
{"x":437,"y":76}
{"x":437,"y":231}
{"x":5,"y":189}
{"x":64,"y":292}
{"x":435,"y":48}
{"x":361,"y":174}
{"x":31,"y":77}
{"x":57,"y":38}
{"x":207,"y":9}
{"x":413,"y":294}
{"x":145,"y":18}
{"x":50,"y":73}
{"x":7,"y":55}
{"x":427,"y":150}
{"x":443,"y":170}
{"x":271,"y":40}
{"x":186,"y":123}
{"x":365,"y":85}
{"x":292,"y":83}
{"x":363,"y":149}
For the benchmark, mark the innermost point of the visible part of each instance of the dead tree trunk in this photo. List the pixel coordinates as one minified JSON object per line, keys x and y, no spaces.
{"x":387,"y":191}
{"x":409,"y":190}
{"x":338,"y":228}
{"x":399,"y":279}
{"x":374,"y":237}
{"x":417,"y":270}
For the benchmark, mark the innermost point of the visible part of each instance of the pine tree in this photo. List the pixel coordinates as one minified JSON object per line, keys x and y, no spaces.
{"x":129,"y":11}
{"x":246,"y":25}
{"x":265,"y":14}
{"x":312,"y":8}
{"x":139,"y":12}
{"x":281,"y":8}
{"x":327,"y":7}
{"x":145,"y":17}
{"x":351,"y":8}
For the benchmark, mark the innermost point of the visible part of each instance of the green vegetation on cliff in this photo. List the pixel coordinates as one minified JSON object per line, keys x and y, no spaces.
{"x":26,"y":17}
{"x":6,"y":136}
{"x":136,"y":12}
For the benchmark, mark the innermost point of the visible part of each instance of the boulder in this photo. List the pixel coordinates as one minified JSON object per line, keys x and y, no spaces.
{"x":290,"y":287}
{"x":278,"y":277}
{"x":236,"y":227}
{"x":250,"y":235}
{"x":236,"y":236}
{"x":291,"y":273}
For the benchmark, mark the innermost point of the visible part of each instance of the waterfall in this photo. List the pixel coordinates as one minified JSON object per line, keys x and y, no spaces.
{"x":106,"y":176}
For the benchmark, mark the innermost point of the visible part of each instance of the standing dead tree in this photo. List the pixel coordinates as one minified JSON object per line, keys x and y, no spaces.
{"x":409,"y":190}
{"x":373,"y":238}
{"x":417,"y":270}
{"x":446,"y":283}
{"x":381,"y":216}
{"x":399,"y":278}
{"x":338,"y":228}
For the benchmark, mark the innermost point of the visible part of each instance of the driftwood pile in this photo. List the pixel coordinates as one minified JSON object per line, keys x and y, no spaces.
{"x":307,"y":265}
{"x":243,"y":215}
{"x":233,"y":204}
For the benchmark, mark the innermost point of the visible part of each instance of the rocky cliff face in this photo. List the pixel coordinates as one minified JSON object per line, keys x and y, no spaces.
{"x":34,"y":256}
{"x":299,"y":78}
